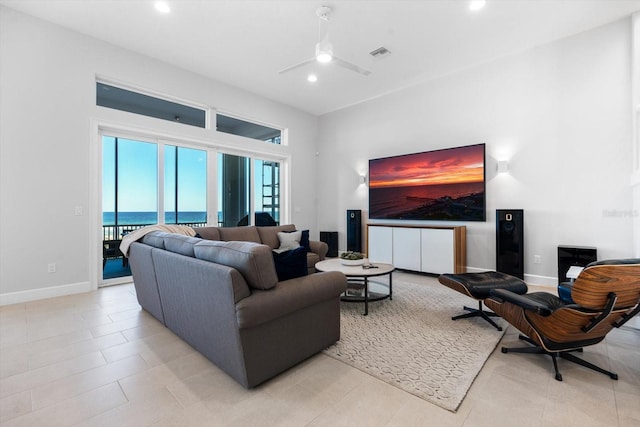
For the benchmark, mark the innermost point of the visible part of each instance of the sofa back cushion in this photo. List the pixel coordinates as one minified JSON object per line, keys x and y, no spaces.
{"x":253,"y":260}
{"x":239,"y":234}
{"x":269,"y":235}
{"x":155,"y":239}
{"x":209,"y":233}
{"x":180,"y":244}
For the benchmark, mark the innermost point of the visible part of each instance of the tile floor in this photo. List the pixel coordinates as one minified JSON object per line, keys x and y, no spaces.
{"x":97,"y":359}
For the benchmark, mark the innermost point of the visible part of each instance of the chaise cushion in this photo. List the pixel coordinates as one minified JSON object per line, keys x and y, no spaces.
{"x":253,"y":260}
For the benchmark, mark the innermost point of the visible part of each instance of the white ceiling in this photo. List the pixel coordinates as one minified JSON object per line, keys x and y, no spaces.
{"x":245,"y":43}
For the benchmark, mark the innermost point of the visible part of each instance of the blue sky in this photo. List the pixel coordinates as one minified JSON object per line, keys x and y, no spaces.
{"x":138,"y":182}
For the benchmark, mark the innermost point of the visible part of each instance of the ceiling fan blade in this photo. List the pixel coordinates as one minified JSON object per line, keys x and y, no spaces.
{"x":298,"y":65}
{"x":350,"y":66}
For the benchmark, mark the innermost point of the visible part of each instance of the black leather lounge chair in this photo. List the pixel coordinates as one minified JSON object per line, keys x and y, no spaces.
{"x":606,"y":295}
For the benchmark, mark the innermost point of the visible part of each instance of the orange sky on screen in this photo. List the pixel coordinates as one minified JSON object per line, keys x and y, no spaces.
{"x":454,"y":166}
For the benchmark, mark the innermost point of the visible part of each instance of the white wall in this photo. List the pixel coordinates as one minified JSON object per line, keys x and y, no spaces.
{"x":560,"y":114}
{"x":47,"y":164}
{"x":636,"y":129}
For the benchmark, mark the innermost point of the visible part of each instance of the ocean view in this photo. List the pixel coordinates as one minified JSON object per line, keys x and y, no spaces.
{"x":138,"y":218}
{"x":428,"y":202}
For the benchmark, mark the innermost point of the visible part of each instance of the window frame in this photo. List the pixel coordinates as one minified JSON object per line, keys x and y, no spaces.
{"x":255,"y":151}
{"x":283,"y":130}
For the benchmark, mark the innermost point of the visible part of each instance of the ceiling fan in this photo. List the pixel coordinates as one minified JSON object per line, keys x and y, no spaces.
{"x":324,"y":48}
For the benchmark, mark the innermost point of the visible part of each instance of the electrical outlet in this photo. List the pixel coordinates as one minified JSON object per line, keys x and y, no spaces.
{"x":51,"y":267}
{"x":537,"y":259}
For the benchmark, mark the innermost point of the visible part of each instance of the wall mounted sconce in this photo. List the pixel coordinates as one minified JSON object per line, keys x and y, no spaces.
{"x":363,"y":180}
{"x":503,"y":166}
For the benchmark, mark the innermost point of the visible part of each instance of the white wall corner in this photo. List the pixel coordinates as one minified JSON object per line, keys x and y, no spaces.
{"x":42,"y":293}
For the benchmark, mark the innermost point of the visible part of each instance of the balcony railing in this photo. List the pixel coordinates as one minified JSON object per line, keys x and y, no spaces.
{"x":115,"y":232}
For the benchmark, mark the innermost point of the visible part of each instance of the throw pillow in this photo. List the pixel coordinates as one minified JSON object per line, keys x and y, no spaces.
{"x":288,"y":241}
{"x":304,"y":240}
{"x":290,"y":264}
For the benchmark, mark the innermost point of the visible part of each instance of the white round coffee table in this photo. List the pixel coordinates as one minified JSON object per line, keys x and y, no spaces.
{"x":358,"y":277}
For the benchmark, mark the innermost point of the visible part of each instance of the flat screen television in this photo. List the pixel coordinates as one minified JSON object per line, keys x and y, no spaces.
{"x":441,"y":185}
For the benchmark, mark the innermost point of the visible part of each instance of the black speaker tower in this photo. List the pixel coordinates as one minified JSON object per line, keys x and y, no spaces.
{"x":354,"y":230}
{"x":331,"y":239}
{"x":510,"y":242}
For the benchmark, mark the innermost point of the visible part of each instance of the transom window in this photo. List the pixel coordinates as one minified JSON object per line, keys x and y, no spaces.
{"x":138,"y":103}
{"x":247,"y":129}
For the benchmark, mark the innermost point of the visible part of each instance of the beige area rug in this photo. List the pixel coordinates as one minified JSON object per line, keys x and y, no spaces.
{"x":412,"y":343}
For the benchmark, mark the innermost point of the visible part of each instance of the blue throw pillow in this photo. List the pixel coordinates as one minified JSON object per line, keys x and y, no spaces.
{"x":291,"y":264}
{"x":304,"y":240}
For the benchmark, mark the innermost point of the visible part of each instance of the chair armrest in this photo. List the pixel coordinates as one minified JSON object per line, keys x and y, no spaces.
{"x":523,"y":301}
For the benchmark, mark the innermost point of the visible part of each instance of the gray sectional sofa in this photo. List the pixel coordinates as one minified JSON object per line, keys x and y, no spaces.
{"x":225,"y":300}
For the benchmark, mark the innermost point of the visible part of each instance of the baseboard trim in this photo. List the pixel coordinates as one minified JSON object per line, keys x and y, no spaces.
{"x":43,"y":293}
{"x":531,"y":279}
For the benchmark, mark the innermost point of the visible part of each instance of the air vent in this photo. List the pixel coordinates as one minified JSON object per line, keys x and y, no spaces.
{"x":380,"y":52}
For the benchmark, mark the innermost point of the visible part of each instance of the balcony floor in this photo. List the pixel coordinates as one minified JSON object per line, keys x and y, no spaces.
{"x":114,"y":269}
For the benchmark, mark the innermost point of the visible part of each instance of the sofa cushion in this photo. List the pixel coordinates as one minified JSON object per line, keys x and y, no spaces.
{"x":269,"y":235}
{"x":253,"y":260}
{"x":209,"y":233}
{"x":239,"y":234}
{"x":180,"y":244}
{"x":155,"y":239}
{"x":291,"y":264}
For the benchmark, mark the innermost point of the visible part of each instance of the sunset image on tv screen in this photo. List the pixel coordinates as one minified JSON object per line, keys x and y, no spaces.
{"x":445,"y":184}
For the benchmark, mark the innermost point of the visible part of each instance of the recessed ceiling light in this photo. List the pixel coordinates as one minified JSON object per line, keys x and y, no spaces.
{"x":162,"y":7}
{"x":476,"y":4}
{"x":312,"y":78}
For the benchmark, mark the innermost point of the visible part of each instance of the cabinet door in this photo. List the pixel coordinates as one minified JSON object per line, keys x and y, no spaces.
{"x":380,"y":245}
{"x":438,"y":251}
{"x":406,"y":248}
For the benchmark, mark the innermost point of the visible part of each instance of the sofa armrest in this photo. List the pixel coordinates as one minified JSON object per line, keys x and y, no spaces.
{"x":320,"y":248}
{"x":289,"y":296}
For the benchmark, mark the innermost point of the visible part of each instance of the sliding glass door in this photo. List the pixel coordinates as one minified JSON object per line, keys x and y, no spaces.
{"x":129,"y":196}
{"x":130,"y":192}
{"x":156,"y":182}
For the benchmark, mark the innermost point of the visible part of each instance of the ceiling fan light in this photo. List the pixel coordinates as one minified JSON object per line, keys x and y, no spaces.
{"x":324,"y":52}
{"x":476,"y":4}
{"x":162,"y":7}
{"x":324,"y":57}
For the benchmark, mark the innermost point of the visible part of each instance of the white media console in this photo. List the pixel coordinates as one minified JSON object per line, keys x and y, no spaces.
{"x":428,"y":249}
